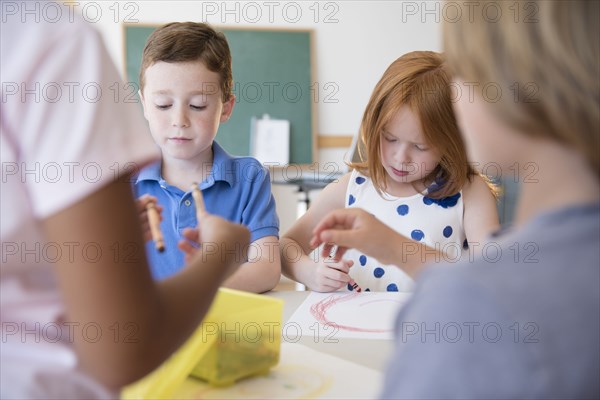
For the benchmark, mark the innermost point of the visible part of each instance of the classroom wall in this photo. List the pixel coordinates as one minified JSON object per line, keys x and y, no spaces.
{"x":354,"y":42}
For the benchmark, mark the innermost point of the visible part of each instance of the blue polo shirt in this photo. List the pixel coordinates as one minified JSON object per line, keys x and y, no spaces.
{"x":237,"y":189}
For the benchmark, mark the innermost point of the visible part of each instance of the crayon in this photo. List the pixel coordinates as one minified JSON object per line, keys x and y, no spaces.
{"x":198,"y":199}
{"x":154,"y":220}
{"x":354,"y":285}
{"x":351,"y":282}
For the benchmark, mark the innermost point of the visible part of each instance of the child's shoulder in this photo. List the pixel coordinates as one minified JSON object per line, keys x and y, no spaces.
{"x":356,"y":176}
{"x":245,"y":166}
{"x":248,"y":167}
{"x":476,"y":182}
{"x":345,"y":179}
{"x":338,"y":186}
{"x":478,"y":187}
{"x":247,"y":160}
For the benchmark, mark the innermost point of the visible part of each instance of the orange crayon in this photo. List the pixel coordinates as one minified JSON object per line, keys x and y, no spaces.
{"x":154,"y":220}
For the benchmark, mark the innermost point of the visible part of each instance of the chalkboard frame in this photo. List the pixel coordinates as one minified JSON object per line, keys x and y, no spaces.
{"x":307,"y":154}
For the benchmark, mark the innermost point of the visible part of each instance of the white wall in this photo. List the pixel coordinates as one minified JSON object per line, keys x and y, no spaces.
{"x":354,"y":42}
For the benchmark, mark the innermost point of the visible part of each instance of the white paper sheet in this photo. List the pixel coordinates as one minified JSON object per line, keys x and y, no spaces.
{"x":270,"y":141}
{"x":302,"y":373}
{"x":365,"y":315}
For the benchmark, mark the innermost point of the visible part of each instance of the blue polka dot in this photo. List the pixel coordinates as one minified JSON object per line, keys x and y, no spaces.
{"x":445,"y":202}
{"x":378,"y":273}
{"x":351,"y":200}
{"x":402,"y":209}
{"x":392,"y":287}
{"x":465,"y":244}
{"x":362,"y":260}
{"x":367,"y":290}
{"x":350,"y":288}
{"x":360,"y":180}
{"x":417,"y":235}
{"x":448,"y":231}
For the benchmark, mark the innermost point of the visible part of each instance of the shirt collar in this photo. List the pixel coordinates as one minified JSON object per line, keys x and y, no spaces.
{"x":223,"y":169}
{"x":150,"y":173}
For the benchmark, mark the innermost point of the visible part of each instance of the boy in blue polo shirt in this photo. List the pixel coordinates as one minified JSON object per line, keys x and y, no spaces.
{"x":186,"y":91}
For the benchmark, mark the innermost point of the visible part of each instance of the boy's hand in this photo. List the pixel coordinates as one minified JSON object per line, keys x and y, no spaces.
{"x":141,"y":204}
{"x":216,"y":238}
{"x":331,"y":275}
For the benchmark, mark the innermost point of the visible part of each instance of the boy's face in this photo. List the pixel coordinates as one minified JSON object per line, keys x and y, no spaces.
{"x":183,"y":104}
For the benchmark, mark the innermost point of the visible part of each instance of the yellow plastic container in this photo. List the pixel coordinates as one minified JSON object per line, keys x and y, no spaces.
{"x":239,"y":337}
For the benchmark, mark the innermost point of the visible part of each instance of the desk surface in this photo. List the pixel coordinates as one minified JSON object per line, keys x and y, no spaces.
{"x":370,"y":353}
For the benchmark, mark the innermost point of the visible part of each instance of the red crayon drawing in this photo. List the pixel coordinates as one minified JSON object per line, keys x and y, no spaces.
{"x":320,"y":310}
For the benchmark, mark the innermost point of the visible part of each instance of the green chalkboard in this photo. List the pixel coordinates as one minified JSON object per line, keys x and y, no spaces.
{"x":272,"y":75}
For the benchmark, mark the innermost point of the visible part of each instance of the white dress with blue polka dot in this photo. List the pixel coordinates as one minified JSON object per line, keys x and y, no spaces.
{"x":438,"y":223}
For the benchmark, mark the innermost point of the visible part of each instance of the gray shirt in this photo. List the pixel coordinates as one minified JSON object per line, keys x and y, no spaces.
{"x":521,"y":319}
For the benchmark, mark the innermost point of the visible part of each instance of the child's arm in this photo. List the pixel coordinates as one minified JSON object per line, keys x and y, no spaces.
{"x":262,"y":271}
{"x":140,"y":322}
{"x":317,"y":274}
{"x":354,"y":228}
{"x":481,"y":213}
{"x":259,"y":274}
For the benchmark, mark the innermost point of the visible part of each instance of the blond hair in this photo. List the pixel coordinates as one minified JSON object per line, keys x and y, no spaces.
{"x":421,"y":81}
{"x":545,"y":61}
{"x":190,"y":41}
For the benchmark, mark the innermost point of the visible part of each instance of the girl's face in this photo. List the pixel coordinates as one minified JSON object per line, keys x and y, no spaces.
{"x":406,"y":156}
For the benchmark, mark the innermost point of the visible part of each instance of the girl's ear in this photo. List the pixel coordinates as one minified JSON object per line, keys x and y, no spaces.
{"x":227,"y":108}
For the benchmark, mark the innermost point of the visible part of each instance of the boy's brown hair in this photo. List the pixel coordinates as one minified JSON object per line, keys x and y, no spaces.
{"x":190,"y":41}
{"x":421,"y":81}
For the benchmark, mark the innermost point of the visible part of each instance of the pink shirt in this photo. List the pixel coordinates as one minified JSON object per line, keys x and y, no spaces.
{"x":63,"y":136}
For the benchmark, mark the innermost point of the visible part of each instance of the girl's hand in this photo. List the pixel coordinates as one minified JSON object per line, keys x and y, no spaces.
{"x":331,"y":275}
{"x":141,"y":204}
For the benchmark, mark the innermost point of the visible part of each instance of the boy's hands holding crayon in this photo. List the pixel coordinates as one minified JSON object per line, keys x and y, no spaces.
{"x":144,"y":203}
{"x":223,"y":242}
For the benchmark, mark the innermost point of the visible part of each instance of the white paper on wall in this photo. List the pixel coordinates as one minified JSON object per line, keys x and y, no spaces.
{"x":270,"y":140}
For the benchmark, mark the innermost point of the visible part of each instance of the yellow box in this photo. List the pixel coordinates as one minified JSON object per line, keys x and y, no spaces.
{"x":239,"y":337}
